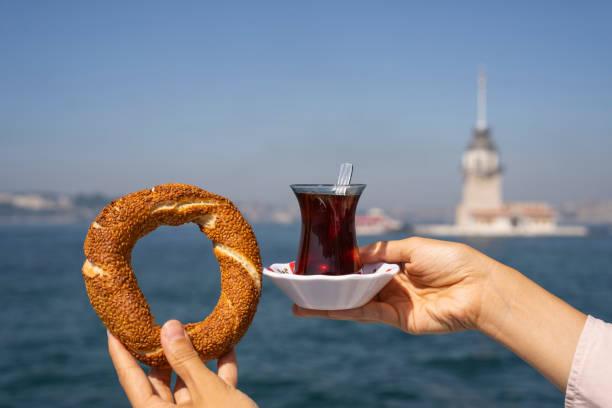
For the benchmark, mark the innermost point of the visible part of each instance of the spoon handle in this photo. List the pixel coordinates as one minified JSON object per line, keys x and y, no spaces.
{"x":344,"y":177}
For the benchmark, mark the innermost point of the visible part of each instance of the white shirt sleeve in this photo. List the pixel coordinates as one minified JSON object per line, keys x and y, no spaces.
{"x":590,"y":380}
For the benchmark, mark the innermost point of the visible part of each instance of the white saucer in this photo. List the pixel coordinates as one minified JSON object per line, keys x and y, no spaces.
{"x":326,"y":292}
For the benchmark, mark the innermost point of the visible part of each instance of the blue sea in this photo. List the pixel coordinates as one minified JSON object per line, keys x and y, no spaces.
{"x":54,"y":346}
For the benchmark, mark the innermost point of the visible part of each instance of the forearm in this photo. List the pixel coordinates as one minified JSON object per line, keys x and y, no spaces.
{"x":536,"y":325}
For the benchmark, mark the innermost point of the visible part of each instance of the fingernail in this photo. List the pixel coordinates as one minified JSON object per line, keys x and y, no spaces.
{"x":173,"y":330}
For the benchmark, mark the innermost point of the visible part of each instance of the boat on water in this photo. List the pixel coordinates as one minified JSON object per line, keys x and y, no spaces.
{"x":376,"y":222}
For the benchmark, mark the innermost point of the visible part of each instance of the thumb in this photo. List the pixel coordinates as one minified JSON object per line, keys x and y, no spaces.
{"x":180,"y":353}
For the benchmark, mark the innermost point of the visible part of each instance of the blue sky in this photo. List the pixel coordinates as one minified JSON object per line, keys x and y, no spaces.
{"x":244,"y":98}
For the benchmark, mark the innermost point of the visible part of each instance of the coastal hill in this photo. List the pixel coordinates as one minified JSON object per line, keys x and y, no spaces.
{"x":49,"y":208}
{"x":57,"y":208}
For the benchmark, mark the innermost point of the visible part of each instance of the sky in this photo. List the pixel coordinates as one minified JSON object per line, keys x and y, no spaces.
{"x":245,"y":98}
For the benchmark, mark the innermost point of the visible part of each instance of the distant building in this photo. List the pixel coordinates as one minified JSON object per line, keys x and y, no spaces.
{"x":376,"y":222}
{"x":482,"y":210}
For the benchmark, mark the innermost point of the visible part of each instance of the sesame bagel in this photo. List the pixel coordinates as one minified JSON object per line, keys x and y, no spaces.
{"x":113,"y":289}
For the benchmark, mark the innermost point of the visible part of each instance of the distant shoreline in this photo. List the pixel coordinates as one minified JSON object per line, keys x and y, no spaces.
{"x":41,"y":220}
{"x":47,"y":208}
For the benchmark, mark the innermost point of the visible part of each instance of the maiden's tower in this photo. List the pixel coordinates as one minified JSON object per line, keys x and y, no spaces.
{"x":482,"y":210}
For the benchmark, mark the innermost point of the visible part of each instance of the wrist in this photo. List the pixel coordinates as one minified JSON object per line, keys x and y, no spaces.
{"x":499,"y":287}
{"x":536,"y":325}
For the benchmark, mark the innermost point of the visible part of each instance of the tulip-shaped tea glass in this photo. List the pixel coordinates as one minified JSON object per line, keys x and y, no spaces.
{"x":328,"y":245}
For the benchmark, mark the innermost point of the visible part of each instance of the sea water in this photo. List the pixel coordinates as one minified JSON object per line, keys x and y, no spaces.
{"x":54,"y":349}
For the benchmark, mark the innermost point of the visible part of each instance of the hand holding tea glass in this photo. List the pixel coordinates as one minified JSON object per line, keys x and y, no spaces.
{"x":446,"y":286}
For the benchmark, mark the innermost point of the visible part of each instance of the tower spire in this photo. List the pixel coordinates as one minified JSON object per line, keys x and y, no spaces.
{"x":481,"y":118}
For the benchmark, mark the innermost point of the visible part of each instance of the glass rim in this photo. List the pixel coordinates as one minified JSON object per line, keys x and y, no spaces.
{"x":328,"y":189}
{"x":326,"y":185}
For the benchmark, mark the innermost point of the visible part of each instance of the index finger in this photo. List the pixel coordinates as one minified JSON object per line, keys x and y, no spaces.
{"x":131,"y":377}
{"x":388,"y":251}
{"x":372,"y":311}
{"x":227,"y":368}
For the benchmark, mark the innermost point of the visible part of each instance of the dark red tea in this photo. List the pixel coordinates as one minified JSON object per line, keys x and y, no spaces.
{"x":327,"y":243}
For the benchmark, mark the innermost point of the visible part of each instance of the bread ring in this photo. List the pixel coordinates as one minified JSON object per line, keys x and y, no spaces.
{"x":113,"y":289}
